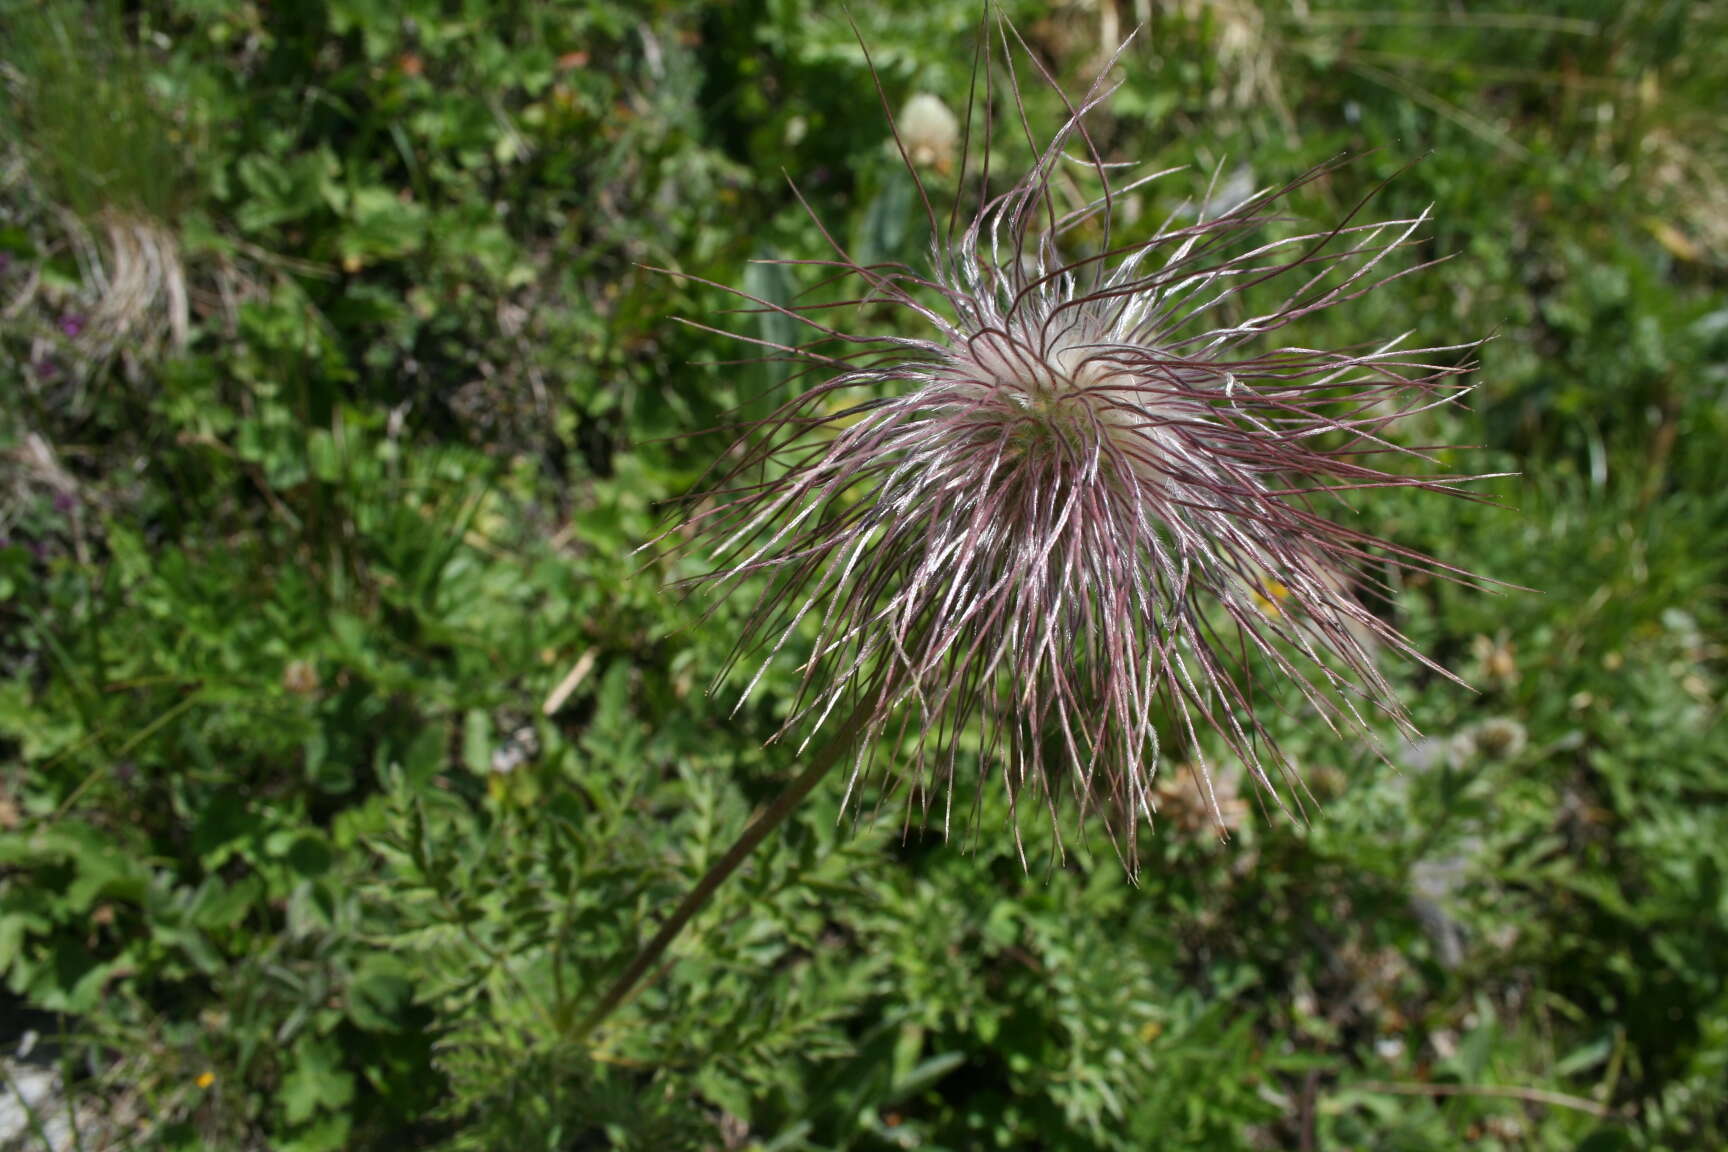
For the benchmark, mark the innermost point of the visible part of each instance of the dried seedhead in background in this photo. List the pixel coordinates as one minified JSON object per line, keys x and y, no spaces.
{"x":1083,"y":498}
{"x":95,"y":171}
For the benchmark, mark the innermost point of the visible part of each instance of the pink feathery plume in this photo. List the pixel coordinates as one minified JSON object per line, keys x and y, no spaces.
{"x":1083,"y":497}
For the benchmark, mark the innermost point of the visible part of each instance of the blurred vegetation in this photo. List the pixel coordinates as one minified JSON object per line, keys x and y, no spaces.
{"x":346,"y":749}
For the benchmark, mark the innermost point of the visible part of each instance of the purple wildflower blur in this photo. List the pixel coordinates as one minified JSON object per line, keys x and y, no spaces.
{"x":1080,"y":505}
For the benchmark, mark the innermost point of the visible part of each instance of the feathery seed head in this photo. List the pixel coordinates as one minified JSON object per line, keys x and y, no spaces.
{"x":1076,"y":513}
{"x":929,"y":132}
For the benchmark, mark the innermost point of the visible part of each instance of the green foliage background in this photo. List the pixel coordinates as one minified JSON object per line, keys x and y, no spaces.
{"x":337,"y":396}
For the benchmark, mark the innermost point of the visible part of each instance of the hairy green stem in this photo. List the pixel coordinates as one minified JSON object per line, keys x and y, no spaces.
{"x":770,"y":818}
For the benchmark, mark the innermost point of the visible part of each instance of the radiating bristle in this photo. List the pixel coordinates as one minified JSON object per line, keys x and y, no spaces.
{"x":1083,"y":502}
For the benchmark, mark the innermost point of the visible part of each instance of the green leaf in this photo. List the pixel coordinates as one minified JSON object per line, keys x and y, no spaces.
{"x":316,"y":1080}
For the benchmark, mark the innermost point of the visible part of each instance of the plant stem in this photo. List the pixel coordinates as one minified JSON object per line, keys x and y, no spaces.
{"x":765,"y":822}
